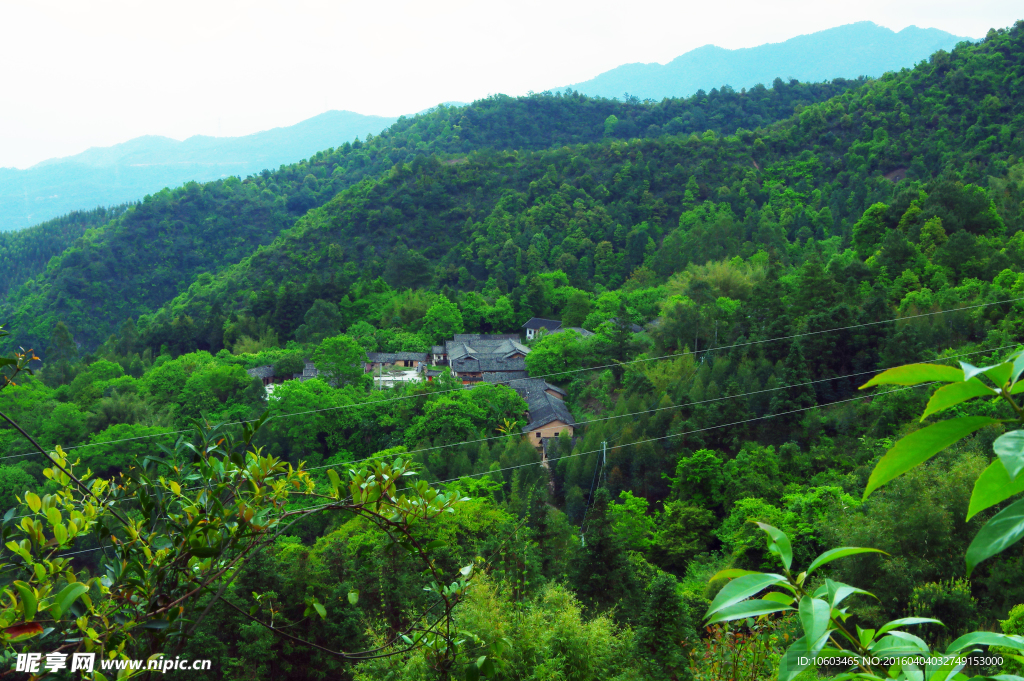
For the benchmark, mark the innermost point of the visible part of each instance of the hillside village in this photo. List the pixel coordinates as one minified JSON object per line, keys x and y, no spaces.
{"x":471,"y":358}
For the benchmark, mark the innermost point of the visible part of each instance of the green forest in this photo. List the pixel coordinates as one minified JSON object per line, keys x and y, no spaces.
{"x":771,"y":284}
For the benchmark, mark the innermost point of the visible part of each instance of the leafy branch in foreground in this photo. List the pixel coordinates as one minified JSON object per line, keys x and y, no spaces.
{"x":997,"y":483}
{"x":888,"y":652}
{"x":184,"y":525}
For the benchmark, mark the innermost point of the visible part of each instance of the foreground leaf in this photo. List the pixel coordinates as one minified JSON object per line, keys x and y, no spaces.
{"x":889,"y":626}
{"x":799,"y":656}
{"x":1003,"y":530}
{"x":732,"y":573}
{"x":20,"y":632}
{"x":780,"y":545}
{"x":837,"y":592}
{"x":970,"y":371}
{"x":69,"y":594}
{"x":953,"y":394}
{"x":814,"y":616}
{"x":922,"y":445}
{"x":742,"y":587}
{"x":899,"y":643}
{"x":993,"y":486}
{"x":912,"y":374}
{"x":745,"y":609}
{"x":841,"y":552}
{"x":1009,"y":447}
{"x":985,"y":638}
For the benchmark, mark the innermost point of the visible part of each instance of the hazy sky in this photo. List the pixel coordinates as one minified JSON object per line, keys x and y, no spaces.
{"x":88,"y":73}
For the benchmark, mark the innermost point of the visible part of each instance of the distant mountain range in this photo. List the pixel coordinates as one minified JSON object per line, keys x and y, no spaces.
{"x":106,"y":176}
{"x":860,"y":49}
{"x":125,"y":172}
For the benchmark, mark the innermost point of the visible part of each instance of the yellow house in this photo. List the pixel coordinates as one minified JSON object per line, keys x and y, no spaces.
{"x":547,"y":414}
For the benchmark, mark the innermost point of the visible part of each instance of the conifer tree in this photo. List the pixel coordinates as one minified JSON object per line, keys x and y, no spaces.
{"x":602,"y":571}
{"x":794,"y":395}
{"x":665,"y":626}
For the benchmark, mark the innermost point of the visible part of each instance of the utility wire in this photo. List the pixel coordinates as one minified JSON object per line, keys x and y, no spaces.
{"x":550,"y":375}
{"x":638,"y":413}
{"x":639,"y":442}
{"x":673,"y":406}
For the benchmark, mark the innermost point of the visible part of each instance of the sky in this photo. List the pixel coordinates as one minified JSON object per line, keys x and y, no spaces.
{"x":83,"y":73}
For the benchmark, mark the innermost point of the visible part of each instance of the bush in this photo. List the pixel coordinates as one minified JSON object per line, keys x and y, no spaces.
{"x":951,"y":603}
{"x":1014,"y":625}
{"x":288,"y":365}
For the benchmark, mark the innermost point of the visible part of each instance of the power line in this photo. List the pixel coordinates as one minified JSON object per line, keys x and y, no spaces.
{"x":550,"y":375}
{"x":640,"y":413}
{"x":639,"y":442}
{"x":691,"y":432}
{"x":673,"y":406}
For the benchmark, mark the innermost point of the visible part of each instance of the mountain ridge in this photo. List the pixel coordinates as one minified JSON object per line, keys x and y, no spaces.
{"x":127,"y":171}
{"x":264,"y":141}
{"x":811,"y":57}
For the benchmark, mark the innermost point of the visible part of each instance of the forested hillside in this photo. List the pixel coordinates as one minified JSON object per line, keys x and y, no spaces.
{"x":736,"y":289}
{"x":25,"y":253}
{"x":866,"y":168}
{"x":153,"y":252}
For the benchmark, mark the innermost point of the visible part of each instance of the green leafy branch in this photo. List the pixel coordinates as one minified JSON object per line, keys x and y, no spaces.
{"x":822,"y":617}
{"x":1002,"y":479}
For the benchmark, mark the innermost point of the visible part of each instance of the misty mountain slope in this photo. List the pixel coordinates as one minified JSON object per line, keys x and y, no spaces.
{"x":602,"y":213}
{"x":104,"y":176}
{"x":139,"y":261}
{"x":860,"y":49}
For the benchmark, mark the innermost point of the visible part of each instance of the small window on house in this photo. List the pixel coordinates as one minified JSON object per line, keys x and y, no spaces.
{"x":538,"y":434}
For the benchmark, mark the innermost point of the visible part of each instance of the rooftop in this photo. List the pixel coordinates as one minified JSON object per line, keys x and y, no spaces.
{"x":544,"y":409}
{"x":266,"y":371}
{"x":389,"y":357}
{"x":578,"y":329}
{"x":485,"y":348}
{"x":488,"y":364}
{"x":541,"y":323}
{"x":503,"y":376}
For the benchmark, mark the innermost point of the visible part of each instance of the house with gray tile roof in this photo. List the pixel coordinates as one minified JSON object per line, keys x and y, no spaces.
{"x":472,"y":370}
{"x":502,"y":376}
{"x":538,"y":325}
{"x":578,"y":329}
{"x":548,"y":417}
{"x":265,"y":373}
{"x":386,"y":360}
{"x":506,"y":348}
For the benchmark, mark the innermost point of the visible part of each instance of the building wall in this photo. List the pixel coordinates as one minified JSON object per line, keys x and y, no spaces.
{"x":387,"y":366}
{"x":552,"y":429}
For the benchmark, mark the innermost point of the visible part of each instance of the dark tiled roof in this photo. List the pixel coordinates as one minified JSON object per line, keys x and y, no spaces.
{"x":544,"y":409}
{"x":488,"y":364}
{"x":503,"y":376}
{"x":541,"y":323}
{"x":533,"y":388}
{"x":391,"y":357}
{"x":266,"y":371}
{"x":485,"y":349}
{"x":437,"y":350}
{"x":578,"y":329}
{"x":308,"y":371}
{"x":463,"y":337}
{"x":550,"y":386}
{"x":635,"y":328}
